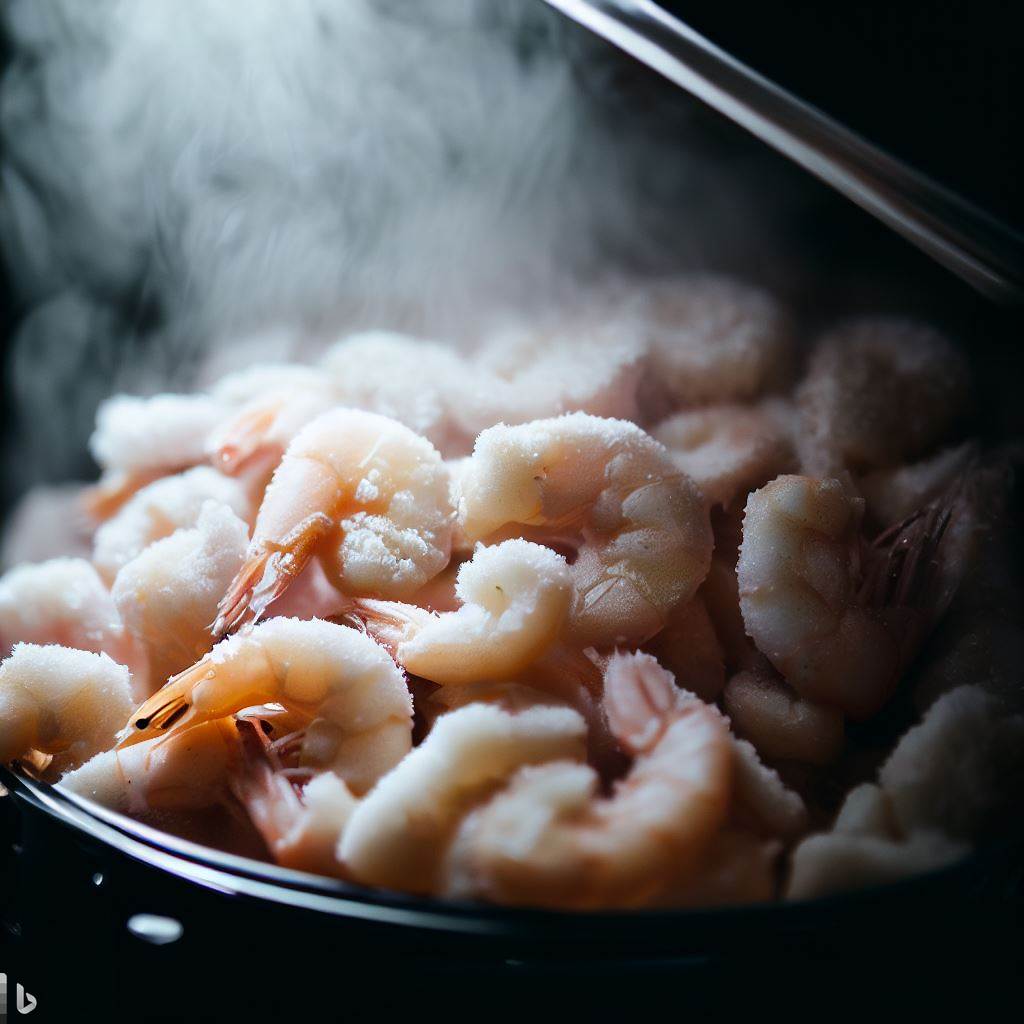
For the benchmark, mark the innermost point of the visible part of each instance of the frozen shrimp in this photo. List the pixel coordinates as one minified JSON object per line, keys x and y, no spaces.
{"x":168,"y":595}
{"x":355,"y":694}
{"x":727,"y":450}
{"x":365,"y":495}
{"x":714,"y":340}
{"x":184,"y":772}
{"x":549,"y":839}
{"x":62,"y":602}
{"x":515,"y":599}
{"x":835,"y":639}
{"x":138,"y":440}
{"x":781,"y":724}
{"x":640,"y":527}
{"x":878,"y":391}
{"x":832,"y":862}
{"x":61,"y":702}
{"x":435,"y":401}
{"x":398,"y":835}
{"x":960,"y":768}
{"x":761,"y":802}
{"x":157,"y":510}
{"x":570,"y":361}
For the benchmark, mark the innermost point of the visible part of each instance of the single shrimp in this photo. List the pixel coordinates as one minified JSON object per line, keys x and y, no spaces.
{"x":727,"y":450}
{"x":138,"y":440}
{"x":63,"y":602}
{"x":356,"y":696}
{"x":184,"y":772}
{"x":61,"y":702}
{"x":878,"y":391}
{"x":548,"y":839}
{"x":713,"y":340}
{"x":960,"y":768}
{"x":567,"y":360}
{"x":167,"y":596}
{"x":434,"y":402}
{"x":398,"y":835}
{"x":363,"y":493}
{"x":640,"y":527}
{"x":157,"y":510}
{"x":782,"y":725}
{"x":836,"y":639}
{"x":515,"y":599}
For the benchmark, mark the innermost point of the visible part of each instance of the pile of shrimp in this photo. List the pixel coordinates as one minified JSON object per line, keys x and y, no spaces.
{"x":638,"y":607}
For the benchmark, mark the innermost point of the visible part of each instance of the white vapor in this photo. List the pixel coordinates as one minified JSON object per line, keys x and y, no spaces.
{"x":183,"y":175}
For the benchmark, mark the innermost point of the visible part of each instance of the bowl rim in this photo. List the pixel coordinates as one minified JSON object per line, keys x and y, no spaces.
{"x":235,"y":875}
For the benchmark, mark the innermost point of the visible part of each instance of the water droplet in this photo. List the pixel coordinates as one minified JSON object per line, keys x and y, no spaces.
{"x":155,"y":929}
{"x":97,"y":879}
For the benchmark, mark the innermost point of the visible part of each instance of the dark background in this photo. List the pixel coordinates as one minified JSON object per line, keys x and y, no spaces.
{"x":940,"y":84}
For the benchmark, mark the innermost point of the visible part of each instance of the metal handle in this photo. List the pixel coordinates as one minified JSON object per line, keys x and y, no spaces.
{"x":988,"y":255}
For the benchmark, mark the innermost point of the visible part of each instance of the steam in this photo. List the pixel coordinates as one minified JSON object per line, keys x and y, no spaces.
{"x":197,"y":182}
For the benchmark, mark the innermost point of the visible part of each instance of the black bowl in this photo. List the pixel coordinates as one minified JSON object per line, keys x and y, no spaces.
{"x":188,"y":929}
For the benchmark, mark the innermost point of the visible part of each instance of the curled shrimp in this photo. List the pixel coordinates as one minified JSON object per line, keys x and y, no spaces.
{"x":157,"y":510}
{"x":139,"y":440}
{"x":837,"y":638}
{"x":61,"y":702}
{"x":550,"y":840}
{"x":781,"y":724}
{"x":434,"y":401}
{"x":878,"y":391}
{"x":714,"y":340}
{"x":640,"y":527}
{"x":356,"y":696}
{"x":184,"y":772}
{"x":167,"y":595}
{"x":570,"y":360}
{"x":399,"y":833}
{"x":361,"y":492}
{"x":728,"y":449}
{"x":64,"y":602}
{"x":515,"y":599}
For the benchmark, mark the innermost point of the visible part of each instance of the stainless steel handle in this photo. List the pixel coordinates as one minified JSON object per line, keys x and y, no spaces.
{"x":987,"y":254}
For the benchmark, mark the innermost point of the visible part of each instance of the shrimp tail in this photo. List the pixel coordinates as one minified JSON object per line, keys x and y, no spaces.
{"x":236,"y":607}
{"x":389,"y":623}
{"x":639,"y":697}
{"x":243,"y":439}
{"x":267,"y":573}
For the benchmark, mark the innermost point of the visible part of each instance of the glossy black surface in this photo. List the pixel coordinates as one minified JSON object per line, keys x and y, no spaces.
{"x":260,"y":939}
